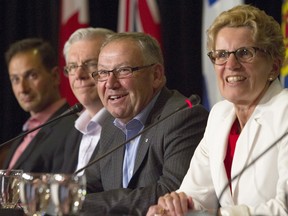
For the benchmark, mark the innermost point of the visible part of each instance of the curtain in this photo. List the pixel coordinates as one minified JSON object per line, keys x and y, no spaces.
{"x":181,"y":22}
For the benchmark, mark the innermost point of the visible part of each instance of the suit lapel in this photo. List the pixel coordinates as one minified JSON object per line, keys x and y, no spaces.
{"x":244,"y":148}
{"x":11,"y":153}
{"x":41,"y":135}
{"x":146,"y":137}
{"x":217,"y":155}
{"x":75,"y":145}
{"x":117,"y":160}
{"x":109,"y":142}
{"x":143,"y":147}
{"x":242,"y":154}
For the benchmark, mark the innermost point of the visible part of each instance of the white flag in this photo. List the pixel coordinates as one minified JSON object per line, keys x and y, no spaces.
{"x":211,"y":9}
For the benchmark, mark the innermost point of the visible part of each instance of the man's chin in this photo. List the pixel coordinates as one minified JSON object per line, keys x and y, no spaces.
{"x":27,"y":107}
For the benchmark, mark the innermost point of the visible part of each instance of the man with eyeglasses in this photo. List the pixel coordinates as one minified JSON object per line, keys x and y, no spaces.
{"x":131,"y":84}
{"x":81,"y":54}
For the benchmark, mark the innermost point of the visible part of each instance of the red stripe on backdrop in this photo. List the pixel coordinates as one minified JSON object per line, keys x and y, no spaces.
{"x":141,"y":16}
{"x":149,"y":16}
{"x":127,"y":17}
{"x":67,"y":27}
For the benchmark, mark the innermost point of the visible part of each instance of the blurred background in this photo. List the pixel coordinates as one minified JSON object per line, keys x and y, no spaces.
{"x":177,"y":24}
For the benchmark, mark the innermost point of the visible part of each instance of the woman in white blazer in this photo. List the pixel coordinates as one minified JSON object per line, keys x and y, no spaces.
{"x":247,"y":50}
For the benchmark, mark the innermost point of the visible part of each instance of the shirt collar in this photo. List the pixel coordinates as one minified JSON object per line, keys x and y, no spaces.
{"x":85,"y":124}
{"x":45,"y":114}
{"x":141,"y":117}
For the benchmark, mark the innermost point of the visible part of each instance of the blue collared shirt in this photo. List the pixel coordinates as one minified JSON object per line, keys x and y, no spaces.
{"x":132,"y":128}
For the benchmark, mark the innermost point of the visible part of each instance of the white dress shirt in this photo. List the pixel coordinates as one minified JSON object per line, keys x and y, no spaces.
{"x":91,"y":130}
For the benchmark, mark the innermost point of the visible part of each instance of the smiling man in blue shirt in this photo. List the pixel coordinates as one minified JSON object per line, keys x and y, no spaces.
{"x":131,"y":85}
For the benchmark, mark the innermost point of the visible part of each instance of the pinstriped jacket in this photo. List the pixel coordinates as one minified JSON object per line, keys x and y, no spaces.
{"x":162,"y":159}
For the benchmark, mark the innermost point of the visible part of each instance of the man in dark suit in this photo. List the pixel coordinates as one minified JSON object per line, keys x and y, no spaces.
{"x":34,"y":76}
{"x":81,"y":55}
{"x":131,"y":85}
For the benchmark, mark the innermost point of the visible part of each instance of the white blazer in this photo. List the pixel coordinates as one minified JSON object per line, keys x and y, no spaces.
{"x":260,"y":190}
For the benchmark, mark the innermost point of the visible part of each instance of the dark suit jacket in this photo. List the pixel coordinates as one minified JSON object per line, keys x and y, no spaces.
{"x":71,"y":151}
{"x":46,"y":150}
{"x":162,"y":160}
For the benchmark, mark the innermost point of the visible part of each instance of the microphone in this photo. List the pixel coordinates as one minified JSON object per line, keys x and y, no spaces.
{"x":249,"y":165}
{"x":192,"y":101}
{"x":72,"y":110}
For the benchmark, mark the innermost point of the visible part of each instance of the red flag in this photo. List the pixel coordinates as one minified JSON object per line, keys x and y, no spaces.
{"x":74,"y":15}
{"x":139,"y":16}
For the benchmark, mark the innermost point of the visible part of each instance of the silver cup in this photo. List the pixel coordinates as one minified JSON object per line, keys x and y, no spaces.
{"x":9,"y":186}
{"x":68,"y":193}
{"x":35,"y":193}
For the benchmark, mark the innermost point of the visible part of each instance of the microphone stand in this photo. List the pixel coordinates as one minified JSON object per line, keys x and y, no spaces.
{"x":74,"y":109}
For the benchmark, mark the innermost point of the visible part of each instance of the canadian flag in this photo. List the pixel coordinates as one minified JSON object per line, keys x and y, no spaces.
{"x":74,"y":15}
{"x":139,"y":16}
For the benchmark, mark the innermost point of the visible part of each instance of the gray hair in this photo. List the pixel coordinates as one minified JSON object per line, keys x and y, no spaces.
{"x":149,"y":46}
{"x":85,"y":34}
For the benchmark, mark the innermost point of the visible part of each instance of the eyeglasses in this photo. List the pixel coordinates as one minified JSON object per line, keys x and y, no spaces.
{"x":119,"y":73}
{"x":243,"y":54}
{"x":86,"y":66}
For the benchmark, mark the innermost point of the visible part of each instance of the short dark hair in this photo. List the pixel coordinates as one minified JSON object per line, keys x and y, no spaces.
{"x":44,"y":48}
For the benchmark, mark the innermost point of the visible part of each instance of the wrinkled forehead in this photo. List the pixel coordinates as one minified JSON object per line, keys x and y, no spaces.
{"x":120,"y":53}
